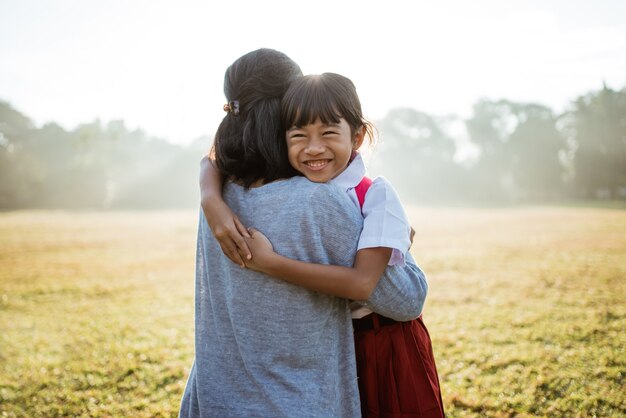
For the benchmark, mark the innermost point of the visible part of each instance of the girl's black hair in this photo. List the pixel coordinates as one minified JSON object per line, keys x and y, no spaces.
{"x":251,"y":146}
{"x":327,"y":96}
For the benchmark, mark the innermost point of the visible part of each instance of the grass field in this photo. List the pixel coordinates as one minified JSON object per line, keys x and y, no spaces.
{"x":526,"y":310}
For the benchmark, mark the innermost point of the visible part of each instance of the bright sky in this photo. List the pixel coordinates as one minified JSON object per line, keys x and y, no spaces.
{"x":159,"y":65}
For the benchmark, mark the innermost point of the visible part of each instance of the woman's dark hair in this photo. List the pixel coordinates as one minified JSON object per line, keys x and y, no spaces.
{"x":327,"y":96}
{"x":250,"y":145}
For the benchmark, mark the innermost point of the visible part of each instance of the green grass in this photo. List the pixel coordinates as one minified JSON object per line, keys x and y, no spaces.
{"x":526,"y":310}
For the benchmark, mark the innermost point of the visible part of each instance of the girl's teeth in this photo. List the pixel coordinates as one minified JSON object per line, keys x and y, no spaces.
{"x":317,"y":163}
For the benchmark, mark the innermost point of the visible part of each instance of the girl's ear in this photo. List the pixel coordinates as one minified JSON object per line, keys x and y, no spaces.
{"x":359,"y":136}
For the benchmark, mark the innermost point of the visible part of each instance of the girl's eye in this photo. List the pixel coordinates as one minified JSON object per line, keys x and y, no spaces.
{"x":330,"y":133}
{"x":296,"y":136}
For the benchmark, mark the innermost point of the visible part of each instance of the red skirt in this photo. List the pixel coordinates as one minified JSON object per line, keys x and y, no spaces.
{"x":396,"y":369}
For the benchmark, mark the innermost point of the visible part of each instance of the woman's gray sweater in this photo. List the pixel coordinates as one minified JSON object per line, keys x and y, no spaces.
{"x":267,"y":348}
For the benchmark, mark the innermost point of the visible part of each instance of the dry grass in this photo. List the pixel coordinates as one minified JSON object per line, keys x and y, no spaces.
{"x":526,"y":310}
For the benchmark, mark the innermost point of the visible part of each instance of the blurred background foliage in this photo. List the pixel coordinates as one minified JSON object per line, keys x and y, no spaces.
{"x":505,"y":153}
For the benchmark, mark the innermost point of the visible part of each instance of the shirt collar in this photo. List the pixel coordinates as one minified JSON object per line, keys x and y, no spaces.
{"x":352,"y":175}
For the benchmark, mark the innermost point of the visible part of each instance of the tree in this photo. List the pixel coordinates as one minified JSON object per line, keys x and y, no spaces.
{"x":536,"y":147}
{"x":94,"y":166}
{"x":489,"y":129}
{"x":19,"y":171}
{"x":597,"y":128}
{"x":416,"y":155}
{"x":520,"y":150}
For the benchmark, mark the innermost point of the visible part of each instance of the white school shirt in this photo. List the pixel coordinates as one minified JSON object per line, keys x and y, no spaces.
{"x":385,"y":223}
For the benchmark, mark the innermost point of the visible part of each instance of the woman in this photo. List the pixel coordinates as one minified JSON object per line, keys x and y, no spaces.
{"x":265,"y":347}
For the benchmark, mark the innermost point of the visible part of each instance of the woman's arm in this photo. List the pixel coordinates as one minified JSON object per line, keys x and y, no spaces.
{"x":356,"y":283}
{"x":225,"y":225}
{"x":400,"y":291}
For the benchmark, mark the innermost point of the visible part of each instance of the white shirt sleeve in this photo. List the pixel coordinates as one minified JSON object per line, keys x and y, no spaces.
{"x":385,"y":223}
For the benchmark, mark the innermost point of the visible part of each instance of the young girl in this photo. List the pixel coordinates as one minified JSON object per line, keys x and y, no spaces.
{"x":324,"y":130}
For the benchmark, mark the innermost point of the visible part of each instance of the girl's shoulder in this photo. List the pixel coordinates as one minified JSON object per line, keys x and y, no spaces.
{"x":381,"y":192}
{"x":385,"y":223}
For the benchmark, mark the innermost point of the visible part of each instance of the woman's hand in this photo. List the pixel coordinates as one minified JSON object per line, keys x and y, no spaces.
{"x":225,"y":225}
{"x":262,"y":251}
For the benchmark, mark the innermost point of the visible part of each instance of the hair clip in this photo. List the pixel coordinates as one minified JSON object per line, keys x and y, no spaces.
{"x":232,"y":107}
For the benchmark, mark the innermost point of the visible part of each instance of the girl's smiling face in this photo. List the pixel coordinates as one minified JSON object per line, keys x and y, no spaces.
{"x":322,"y":151}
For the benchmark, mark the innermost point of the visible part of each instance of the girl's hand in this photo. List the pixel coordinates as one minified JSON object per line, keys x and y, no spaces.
{"x":228,"y":230}
{"x":224,"y":224}
{"x":262,"y":251}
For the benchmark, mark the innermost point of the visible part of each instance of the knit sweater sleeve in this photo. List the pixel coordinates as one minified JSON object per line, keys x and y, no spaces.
{"x":401,"y":291}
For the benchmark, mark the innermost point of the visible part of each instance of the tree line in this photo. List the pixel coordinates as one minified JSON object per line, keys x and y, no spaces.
{"x":95,"y":165}
{"x":505,"y":152}
{"x":521,"y":152}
